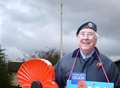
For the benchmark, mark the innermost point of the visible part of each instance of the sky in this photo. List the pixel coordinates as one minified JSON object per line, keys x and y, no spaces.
{"x":27,"y":26}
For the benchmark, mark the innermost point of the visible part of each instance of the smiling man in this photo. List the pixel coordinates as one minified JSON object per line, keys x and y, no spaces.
{"x":86,"y":62}
{"x":87,"y":38}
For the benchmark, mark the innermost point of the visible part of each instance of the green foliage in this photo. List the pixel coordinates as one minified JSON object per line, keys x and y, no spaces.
{"x":5,"y":79}
{"x":52,"y":55}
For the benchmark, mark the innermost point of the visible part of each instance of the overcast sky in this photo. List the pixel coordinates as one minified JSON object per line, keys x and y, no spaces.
{"x":30,"y":25}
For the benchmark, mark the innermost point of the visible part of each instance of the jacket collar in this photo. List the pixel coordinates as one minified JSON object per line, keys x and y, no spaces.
{"x":76,"y":53}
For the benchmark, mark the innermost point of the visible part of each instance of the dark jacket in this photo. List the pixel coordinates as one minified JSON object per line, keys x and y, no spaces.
{"x":89,"y":66}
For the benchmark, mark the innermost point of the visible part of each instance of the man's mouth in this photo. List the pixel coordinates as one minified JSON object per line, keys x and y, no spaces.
{"x":85,"y":42}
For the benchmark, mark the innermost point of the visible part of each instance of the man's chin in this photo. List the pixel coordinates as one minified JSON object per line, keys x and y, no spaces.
{"x":85,"y":48}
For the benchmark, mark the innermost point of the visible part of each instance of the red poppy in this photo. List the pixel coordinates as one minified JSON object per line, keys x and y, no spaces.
{"x":36,"y":69}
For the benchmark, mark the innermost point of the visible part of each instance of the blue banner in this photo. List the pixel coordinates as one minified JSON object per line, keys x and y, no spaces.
{"x":90,"y":84}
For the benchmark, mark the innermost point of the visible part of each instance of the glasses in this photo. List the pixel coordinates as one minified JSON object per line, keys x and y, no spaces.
{"x":90,"y":34}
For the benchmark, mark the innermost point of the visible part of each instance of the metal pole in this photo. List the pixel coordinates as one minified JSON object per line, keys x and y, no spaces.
{"x":61,"y":29}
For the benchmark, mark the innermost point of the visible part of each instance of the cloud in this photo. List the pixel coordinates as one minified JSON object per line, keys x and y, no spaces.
{"x":30,"y":25}
{"x":108,"y":46}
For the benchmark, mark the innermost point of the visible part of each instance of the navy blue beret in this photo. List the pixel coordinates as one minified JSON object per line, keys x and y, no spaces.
{"x":88,"y":24}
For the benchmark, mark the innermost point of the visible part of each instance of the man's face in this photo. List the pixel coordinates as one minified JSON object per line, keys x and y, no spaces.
{"x":87,"y":40}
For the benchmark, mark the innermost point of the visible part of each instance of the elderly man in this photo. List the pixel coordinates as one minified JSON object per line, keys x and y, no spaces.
{"x":87,"y":60}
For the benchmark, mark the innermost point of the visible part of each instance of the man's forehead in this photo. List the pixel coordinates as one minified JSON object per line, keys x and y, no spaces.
{"x":87,"y":30}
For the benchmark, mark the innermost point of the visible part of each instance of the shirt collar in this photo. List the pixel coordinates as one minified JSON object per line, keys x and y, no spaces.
{"x":88,"y":55}
{"x":78,"y":53}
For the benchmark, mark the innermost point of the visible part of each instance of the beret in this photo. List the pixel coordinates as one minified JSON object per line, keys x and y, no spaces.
{"x":88,"y":24}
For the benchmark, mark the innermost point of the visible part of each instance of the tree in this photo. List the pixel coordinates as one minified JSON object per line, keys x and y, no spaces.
{"x":5,"y":78}
{"x":52,"y":55}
